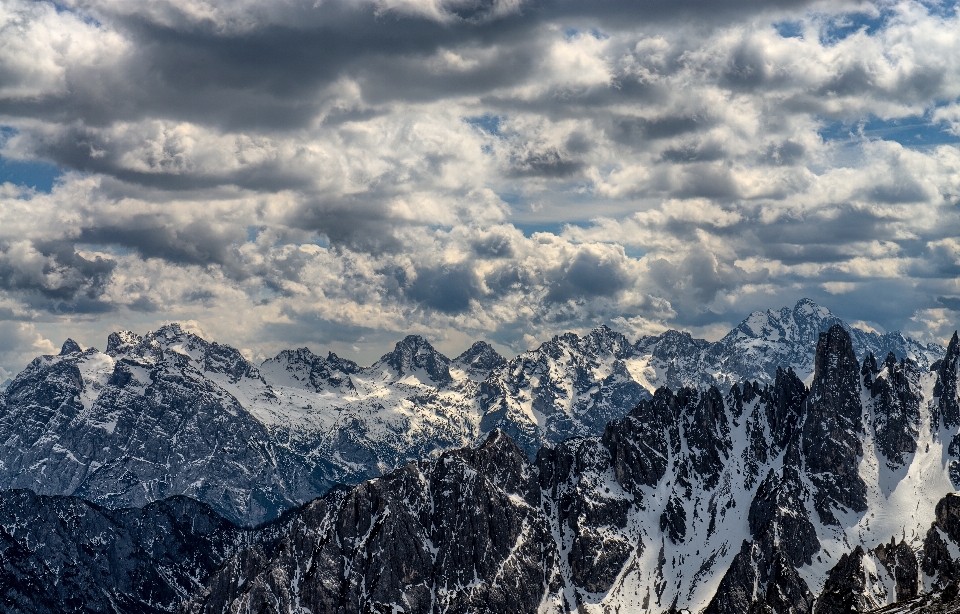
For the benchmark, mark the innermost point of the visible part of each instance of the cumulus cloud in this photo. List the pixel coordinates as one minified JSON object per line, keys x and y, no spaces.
{"x":19,"y":344}
{"x":349,"y":171}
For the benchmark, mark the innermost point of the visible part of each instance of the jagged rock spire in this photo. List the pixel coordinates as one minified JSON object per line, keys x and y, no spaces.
{"x":946,"y":388}
{"x":70,"y":347}
{"x":833,"y":426}
{"x":480,"y":357}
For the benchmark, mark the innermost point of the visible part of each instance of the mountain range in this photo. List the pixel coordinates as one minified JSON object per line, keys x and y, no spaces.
{"x":169,"y":413}
{"x":783,"y":497}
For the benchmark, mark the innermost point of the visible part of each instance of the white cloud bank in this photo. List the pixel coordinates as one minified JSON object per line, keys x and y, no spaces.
{"x":343,"y":173}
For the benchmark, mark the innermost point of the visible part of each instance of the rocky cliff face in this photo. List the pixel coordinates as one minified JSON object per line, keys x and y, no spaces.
{"x":63,"y":554}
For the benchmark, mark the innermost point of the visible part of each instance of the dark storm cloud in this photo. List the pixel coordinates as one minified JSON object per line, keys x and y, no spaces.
{"x":51,"y":275}
{"x":943,"y":259}
{"x":700,"y":276}
{"x":448,"y":289}
{"x":694,"y":152}
{"x":91,"y":151}
{"x":784,"y":153}
{"x":550,"y":163}
{"x":712,"y":180}
{"x":269,"y":76}
{"x":860,"y":78}
{"x":559,"y":103}
{"x":359,"y":222}
{"x":272,"y":77}
{"x":823,"y":236}
{"x":508,"y":278}
{"x":749,"y":69}
{"x":194,"y":243}
{"x":634,"y":130}
{"x":588,"y":274}
{"x":319,"y":166}
{"x":493,"y":245}
{"x":898,"y":190}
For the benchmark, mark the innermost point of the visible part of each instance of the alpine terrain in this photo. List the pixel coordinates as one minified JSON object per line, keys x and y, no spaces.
{"x":766,"y":498}
{"x":777,"y":497}
{"x":169,"y":413}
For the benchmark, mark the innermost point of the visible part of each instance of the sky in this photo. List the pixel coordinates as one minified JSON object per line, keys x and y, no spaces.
{"x":341,"y":173}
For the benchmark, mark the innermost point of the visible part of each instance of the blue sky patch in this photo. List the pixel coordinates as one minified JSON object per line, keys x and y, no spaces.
{"x":488,"y":123}
{"x":30,"y":173}
{"x":529,"y":228}
{"x":842,"y":26}
{"x":37,"y":175}
{"x":908,"y":131}
{"x":789,"y":29}
{"x":634,"y":252}
{"x":942,"y":8}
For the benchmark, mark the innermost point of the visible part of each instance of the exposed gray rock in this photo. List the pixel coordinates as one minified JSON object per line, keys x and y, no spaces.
{"x":894,"y":389}
{"x":479,"y":360}
{"x":63,"y":554}
{"x":170,"y":413}
{"x":901,"y":563}
{"x":730,"y":498}
{"x":846,"y":586}
{"x":461,"y":534}
{"x":833,"y":429}
{"x":938,"y":563}
{"x":156,"y":427}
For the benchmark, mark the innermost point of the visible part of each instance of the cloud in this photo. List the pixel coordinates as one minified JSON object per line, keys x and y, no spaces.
{"x":350,"y":171}
{"x":19,"y":344}
{"x":592,"y":271}
{"x":54,"y":276}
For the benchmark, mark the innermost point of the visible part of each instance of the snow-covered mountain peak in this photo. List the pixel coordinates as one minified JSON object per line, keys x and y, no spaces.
{"x":604,"y":340}
{"x":479,"y":360}
{"x":291,"y":367}
{"x":304,"y":369}
{"x":122,"y":341}
{"x":169,"y":334}
{"x":344,"y":365}
{"x":801,"y":323}
{"x":414,"y":355}
{"x":600,"y":342}
{"x":70,"y":347}
{"x":342,"y":423}
{"x":807,"y":307}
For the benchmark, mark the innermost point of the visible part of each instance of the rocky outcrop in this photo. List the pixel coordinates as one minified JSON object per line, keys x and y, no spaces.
{"x":833,"y":429}
{"x":461,"y":534}
{"x":479,"y":360}
{"x":948,"y":401}
{"x":943,"y":538}
{"x":895,"y":394}
{"x":63,"y":554}
{"x":415,"y":354}
{"x":170,"y":413}
{"x":724,"y":499}
{"x":900,"y":562}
